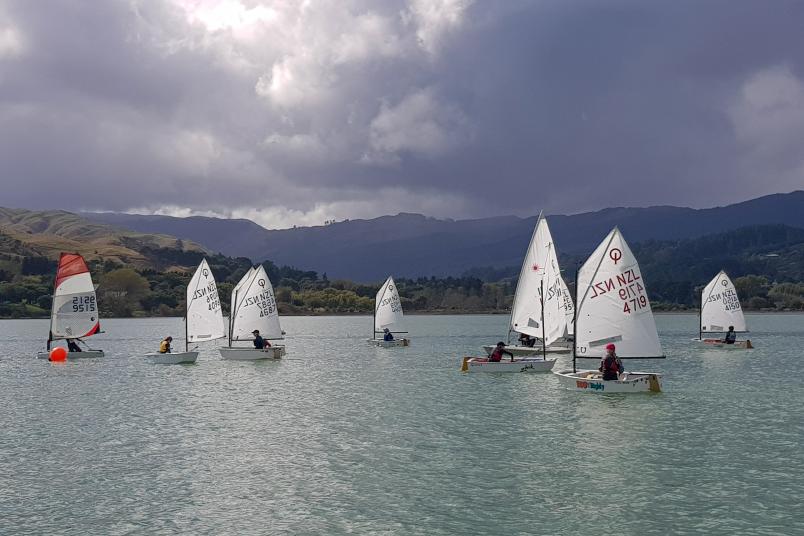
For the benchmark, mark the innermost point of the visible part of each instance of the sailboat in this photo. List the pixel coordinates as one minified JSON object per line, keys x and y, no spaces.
{"x":526,"y":311}
{"x":387,"y":312}
{"x":204,"y":320}
{"x":552,"y":322}
{"x":74,"y":311}
{"x":253,"y":308}
{"x":612,"y":307}
{"x":720,"y":308}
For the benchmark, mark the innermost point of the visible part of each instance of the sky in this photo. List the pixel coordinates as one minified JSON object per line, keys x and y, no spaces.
{"x":296,"y":112}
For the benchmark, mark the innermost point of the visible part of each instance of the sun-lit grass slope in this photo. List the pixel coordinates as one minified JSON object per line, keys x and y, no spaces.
{"x":48,"y":233}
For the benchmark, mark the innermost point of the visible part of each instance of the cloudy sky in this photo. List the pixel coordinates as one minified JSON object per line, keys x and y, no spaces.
{"x":294,"y":112}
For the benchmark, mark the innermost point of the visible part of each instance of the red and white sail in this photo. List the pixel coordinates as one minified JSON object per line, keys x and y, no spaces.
{"x":75,"y":307}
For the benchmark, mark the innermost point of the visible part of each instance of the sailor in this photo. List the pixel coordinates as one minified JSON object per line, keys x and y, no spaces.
{"x":527,"y":340}
{"x":259,"y":342}
{"x":611,"y":366}
{"x":387,"y":335}
{"x":497,"y":354}
{"x":731,"y":336}
{"x":72,"y":346}
{"x":164,"y":346}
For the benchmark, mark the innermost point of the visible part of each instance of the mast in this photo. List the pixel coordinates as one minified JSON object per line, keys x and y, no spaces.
{"x":575,"y":320}
{"x":544,"y":338}
{"x":700,"y":317}
{"x":232,"y":317}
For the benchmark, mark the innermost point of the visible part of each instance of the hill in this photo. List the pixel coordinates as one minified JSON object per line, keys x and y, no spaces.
{"x":412,"y":245}
{"x":27,"y":233}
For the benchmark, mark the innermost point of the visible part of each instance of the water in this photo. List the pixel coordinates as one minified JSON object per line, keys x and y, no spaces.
{"x":343,"y":438}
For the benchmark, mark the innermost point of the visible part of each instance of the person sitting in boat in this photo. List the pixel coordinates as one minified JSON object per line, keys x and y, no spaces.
{"x":387,"y":335}
{"x":72,"y":346}
{"x":731,"y":336}
{"x":527,"y":340}
{"x":497,"y":354}
{"x":611,"y":365}
{"x":259,"y":342}
{"x":164,"y":346}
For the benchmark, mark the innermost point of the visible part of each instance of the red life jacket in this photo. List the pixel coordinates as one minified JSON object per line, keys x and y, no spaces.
{"x":496,"y":355}
{"x":610,"y":364}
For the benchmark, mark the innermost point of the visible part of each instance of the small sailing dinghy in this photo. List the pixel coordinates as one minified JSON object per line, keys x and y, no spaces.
{"x":720,"y":309}
{"x":526,"y":311}
{"x":204,"y":321}
{"x":387,"y":312}
{"x":253,"y":308}
{"x":552,"y":322}
{"x":74,"y":311}
{"x":612,"y":307}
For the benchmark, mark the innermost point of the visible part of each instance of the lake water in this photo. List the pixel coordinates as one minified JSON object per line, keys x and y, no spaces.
{"x":344,"y":438}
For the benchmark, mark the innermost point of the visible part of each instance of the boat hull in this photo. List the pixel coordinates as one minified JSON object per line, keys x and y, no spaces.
{"x":526,"y":364}
{"x":251,"y":354}
{"x":86,"y":354}
{"x":591,"y":381}
{"x":389,"y":344}
{"x":529,"y":350}
{"x":718,"y":343}
{"x":172,"y":358}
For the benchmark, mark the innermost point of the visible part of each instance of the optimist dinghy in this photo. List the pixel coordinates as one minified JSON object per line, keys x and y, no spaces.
{"x":526,"y":311}
{"x":612,"y":307}
{"x":720,"y":308}
{"x":387,"y":312}
{"x":74,"y":311}
{"x":253,"y":308}
{"x":204,"y":319}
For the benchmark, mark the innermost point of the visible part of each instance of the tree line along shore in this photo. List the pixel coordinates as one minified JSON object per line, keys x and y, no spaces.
{"x":124,"y":291}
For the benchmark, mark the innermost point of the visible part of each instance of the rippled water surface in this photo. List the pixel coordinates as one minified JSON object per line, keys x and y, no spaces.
{"x":343,"y":438}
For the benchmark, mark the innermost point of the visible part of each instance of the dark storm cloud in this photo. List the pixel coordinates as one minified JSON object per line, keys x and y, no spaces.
{"x":452,"y":108}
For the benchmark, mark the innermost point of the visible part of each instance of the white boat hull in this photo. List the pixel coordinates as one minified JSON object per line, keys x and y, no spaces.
{"x":718,"y":343}
{"x":172,"y":358}
{"x":529,"y":350}
{"x":525,"y":364}
{"x":234,"y":353}
{"x":592,"y":381}
{"x":86,"y":354}
{"x":389,"y":344}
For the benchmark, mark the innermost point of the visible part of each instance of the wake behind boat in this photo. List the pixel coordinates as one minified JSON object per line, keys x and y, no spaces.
{"x":74,"y":310}
{"x":254,"y":313}
{"x":204,"y":320}
{"x":387,"y":312}
{"x":612,"y":310}
{"x":721,"y":312}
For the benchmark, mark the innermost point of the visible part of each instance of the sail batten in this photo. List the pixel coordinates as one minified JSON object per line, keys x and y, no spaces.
{"x":720,"y":306}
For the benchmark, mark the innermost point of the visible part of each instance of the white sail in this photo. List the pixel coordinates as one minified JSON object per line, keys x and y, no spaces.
{"x":243,"y":281}
{"x":75,"y":309}
{"x":255,"y":308}
{"x":569,"y":309}
{"x":526,"y":311}
{"x":613,"y":305}
{"x":204,"y":316}
{"x":556,"y":300}
{"x":720,"y":306}
{"x":387,"y":305}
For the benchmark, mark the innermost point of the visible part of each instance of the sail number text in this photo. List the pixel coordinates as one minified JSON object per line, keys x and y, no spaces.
{"x":729,"y":297}
{"x":210,"y":292}
{"x":628,"y":287}
{"x":84,"y":304}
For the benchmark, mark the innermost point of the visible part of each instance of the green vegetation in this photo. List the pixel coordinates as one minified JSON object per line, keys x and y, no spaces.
{"x":766,"y":264}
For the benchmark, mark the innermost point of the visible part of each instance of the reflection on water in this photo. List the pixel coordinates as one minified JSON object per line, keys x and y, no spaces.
{"x":342,"y":437}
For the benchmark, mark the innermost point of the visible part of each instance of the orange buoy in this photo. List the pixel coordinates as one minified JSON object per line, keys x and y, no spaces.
{"x":58,"y":354}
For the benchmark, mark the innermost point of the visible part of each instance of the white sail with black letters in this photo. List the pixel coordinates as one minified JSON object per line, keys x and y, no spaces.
{"x":387,"y":306}
{"x":720,"y":306}
{"x":255,"y":308}
{"x":613,"y":305}
{"x":204,"y":316}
